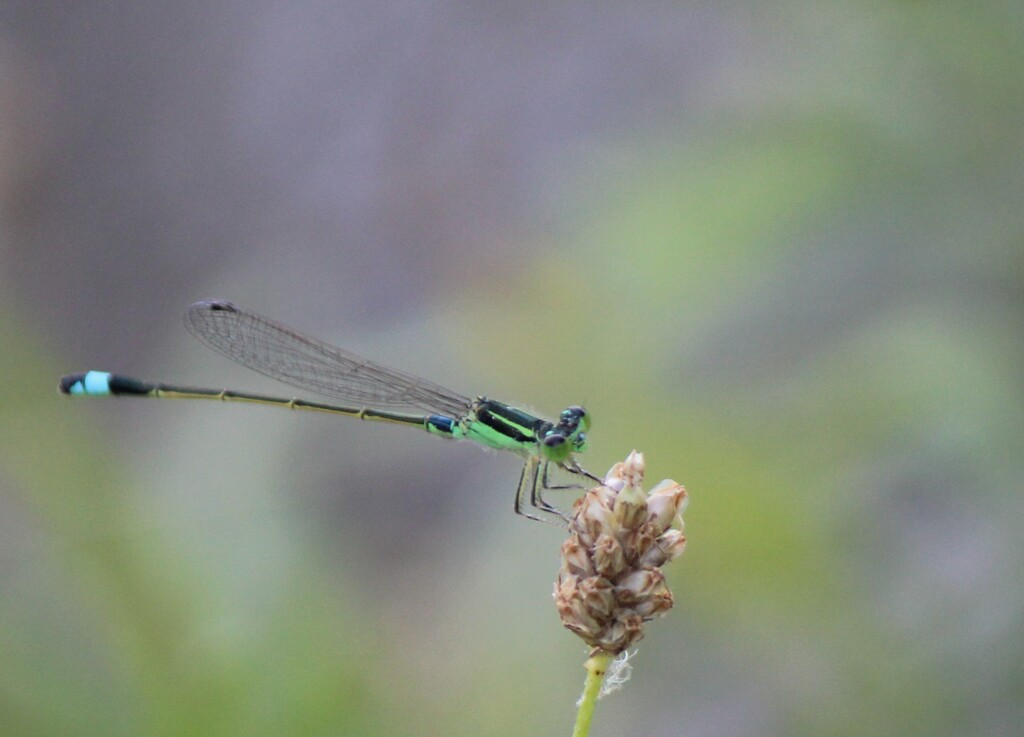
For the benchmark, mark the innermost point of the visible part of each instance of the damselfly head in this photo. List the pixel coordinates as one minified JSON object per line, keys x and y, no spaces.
{"x":568,"y":436}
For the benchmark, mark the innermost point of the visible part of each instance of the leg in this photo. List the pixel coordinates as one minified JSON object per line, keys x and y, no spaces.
{"x":528,"y":478}
{"x":574,"y":467}
{"x":538,"y":500}
{"x":536,"y":495}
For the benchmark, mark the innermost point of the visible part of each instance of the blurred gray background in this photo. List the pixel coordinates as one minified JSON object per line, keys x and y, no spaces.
{"x":776,"y":247}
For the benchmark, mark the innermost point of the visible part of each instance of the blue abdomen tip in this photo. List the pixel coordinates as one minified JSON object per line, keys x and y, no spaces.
{"x":96,"y":383}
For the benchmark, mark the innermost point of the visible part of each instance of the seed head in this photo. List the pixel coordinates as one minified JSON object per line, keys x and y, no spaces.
{"x":611,"y":581}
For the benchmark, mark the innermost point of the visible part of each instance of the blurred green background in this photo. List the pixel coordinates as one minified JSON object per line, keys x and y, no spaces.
{"x":777,"y":247}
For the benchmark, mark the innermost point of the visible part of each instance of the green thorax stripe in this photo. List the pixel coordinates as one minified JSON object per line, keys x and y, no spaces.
{"x":497,"y":425}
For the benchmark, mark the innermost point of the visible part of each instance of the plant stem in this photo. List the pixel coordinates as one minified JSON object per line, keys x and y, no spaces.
{"x":596,"y":666}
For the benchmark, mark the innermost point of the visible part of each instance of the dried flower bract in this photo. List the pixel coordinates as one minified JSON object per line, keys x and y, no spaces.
{"x":611,"y":581}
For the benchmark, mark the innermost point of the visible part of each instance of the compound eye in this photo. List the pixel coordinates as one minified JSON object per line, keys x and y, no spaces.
{"x":555,"y":448}
{"x":554,"y":441}
{"x":571,"y":417}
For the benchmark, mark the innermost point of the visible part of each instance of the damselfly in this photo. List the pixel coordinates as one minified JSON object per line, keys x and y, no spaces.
{"x":369,"y":390}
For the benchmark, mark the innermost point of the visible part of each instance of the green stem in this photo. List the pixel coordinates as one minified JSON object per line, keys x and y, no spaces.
{"x":596,"y":666}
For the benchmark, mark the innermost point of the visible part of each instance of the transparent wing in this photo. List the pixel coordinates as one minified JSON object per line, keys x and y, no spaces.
{"x":284,"y":354}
